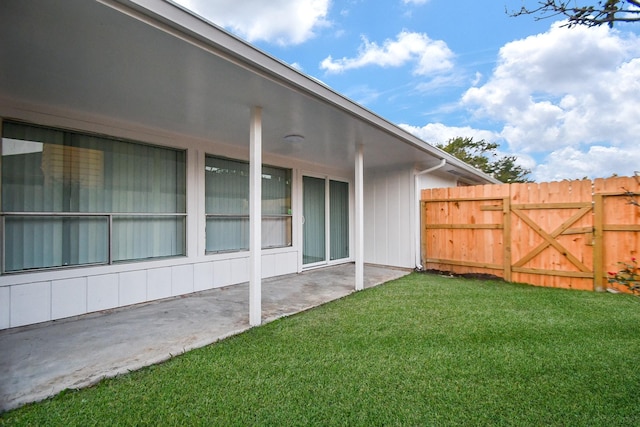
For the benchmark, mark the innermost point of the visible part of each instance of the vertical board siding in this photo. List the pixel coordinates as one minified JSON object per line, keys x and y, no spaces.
{"x":389,"y":217}
{"x":566,"y":234}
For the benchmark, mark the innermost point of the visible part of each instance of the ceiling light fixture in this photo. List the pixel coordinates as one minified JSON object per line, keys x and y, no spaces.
{"x":294,"y":138}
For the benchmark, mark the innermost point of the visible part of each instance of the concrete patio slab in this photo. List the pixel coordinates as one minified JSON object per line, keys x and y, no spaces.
{"x":39,"y":361}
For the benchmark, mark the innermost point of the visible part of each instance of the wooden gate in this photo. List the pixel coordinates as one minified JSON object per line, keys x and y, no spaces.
{"x":562,"y":234}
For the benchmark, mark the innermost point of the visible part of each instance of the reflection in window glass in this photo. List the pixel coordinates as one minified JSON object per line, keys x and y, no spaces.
{"x":227,"y":205}
{"x":78,"y":182}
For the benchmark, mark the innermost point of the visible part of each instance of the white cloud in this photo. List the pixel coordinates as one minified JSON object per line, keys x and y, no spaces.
{"x":438,"y":133}
{"x":284,"y":22}
{"x":429,"y":56}
{"x":566,"y":85}
{"x":477,"y":79}
{"x":415,"y":1}
{"x":440,"y":82}
{"x":597,"y":161}
{"x":573,"y":92}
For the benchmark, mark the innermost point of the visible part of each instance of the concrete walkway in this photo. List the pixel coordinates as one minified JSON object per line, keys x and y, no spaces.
{"x":40,"y":361}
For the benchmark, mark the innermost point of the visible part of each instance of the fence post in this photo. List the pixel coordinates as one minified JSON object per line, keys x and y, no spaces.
{"x":598,"y":244}
{"x":506,"y":236}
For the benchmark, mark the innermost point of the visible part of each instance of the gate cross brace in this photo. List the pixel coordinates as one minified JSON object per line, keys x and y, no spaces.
{"x":550,"y":238}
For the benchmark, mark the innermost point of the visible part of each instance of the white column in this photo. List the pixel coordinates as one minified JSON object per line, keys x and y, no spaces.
{"x":359,"y":249}
{"x":255,"y":217}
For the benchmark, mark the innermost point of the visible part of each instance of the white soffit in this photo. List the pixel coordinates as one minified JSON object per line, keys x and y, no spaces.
{"x":151,"y":62}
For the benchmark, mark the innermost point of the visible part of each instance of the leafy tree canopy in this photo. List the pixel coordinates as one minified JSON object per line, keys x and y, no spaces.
{"x":482,"y":155}
{"x":578,"y":13}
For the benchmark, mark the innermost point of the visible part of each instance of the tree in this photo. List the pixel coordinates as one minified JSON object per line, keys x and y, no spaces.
{"x":505,"y":170}
{"x":482,"y":155}
{"x":605,"y":12}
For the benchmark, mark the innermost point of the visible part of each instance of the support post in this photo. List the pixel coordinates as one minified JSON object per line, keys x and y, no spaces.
{"x":506,"y":237}
{"x":255,"y":217}
{"x":359,"y":234}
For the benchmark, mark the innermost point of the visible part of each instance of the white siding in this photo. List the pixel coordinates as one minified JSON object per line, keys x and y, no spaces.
{"x":203,"y":276}
{"x":102,"y":292}
{"x":222,"y":273}
{"x":68,"y":297}
{"x":390,"y":214}
{"x":240,"y":270}
{"x":437,"y":179}
{"x":30,"y":303}
{"x":181,"y":279}
{"x":158,"y":283}
{"x":133,"y":287}
{"x":5,"y":308}
{"x":388,"y":196}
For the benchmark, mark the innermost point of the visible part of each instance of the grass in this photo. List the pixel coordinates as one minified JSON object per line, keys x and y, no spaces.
{"x":422,"y":350}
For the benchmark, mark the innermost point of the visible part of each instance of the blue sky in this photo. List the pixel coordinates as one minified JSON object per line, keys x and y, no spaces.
{"x":564,"y":101}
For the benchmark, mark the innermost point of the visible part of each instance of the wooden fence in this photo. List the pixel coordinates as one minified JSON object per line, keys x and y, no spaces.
{"x":566,"y":234}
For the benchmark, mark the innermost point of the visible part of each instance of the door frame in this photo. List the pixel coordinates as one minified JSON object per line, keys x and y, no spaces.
{"x":300,"y":223}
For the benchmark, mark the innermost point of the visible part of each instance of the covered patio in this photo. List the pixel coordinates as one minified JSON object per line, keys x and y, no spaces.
{"x":192,"y":139}
{"x":39,"y":361}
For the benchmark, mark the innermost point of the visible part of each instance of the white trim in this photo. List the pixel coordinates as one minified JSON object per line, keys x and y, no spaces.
{"x":255,"y":217}
{"x":2,"y":233}
{"x":193,"y":192}
{"x":327,"y":220}
{"x":359,"y":223}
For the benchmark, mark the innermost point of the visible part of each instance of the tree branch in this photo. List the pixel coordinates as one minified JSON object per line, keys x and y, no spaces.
{"x":605,"y":12}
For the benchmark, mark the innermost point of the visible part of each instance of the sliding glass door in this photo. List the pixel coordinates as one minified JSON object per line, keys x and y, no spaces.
{"x":326,"y":220}
{"x":314,"y":224}
{"x":338,"y":220}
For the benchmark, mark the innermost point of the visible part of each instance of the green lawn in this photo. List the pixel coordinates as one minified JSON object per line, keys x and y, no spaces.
{"x":422,"y":350}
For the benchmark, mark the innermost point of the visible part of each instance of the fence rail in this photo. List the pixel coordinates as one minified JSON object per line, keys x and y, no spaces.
{"x":565,"y":234}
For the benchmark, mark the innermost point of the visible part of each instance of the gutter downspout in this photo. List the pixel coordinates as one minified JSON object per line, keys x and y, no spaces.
{"x":416,"y":176}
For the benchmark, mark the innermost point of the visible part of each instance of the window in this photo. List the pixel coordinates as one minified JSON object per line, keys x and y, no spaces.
{"x":227,"y":205}
{"x":74,"y":199}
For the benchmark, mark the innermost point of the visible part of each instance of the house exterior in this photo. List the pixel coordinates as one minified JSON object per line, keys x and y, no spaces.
{"x":147,"y":153}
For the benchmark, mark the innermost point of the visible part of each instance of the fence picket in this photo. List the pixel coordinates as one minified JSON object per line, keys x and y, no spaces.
{"x":560,"y":234}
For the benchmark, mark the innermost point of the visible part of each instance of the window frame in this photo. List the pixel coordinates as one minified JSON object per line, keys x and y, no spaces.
{"x":109,"y":216}
{"x":287,"y":217}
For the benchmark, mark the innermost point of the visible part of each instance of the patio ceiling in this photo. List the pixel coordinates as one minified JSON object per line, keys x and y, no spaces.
{"x":149,"y":62}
